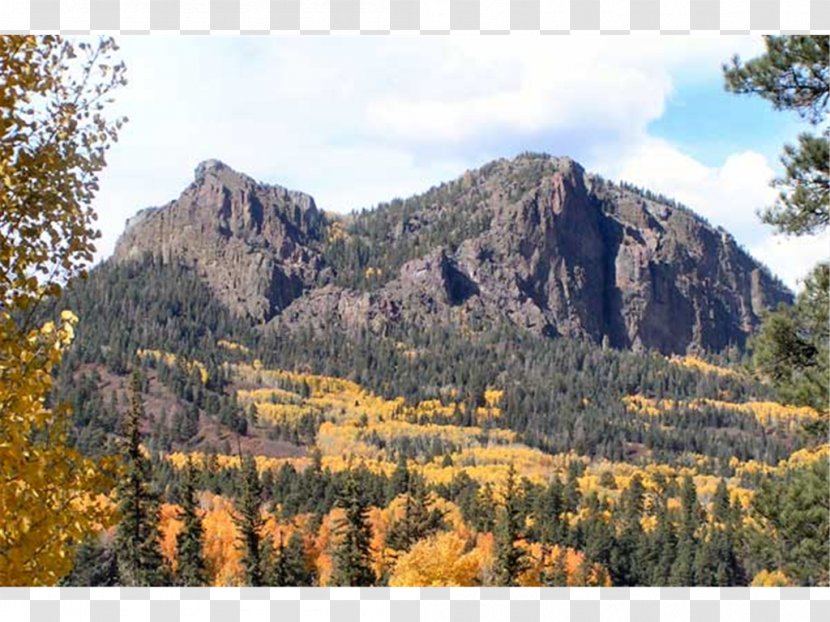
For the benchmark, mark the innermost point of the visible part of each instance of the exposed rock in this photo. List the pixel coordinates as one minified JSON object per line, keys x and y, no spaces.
{"x":251,"y":242}
{"x":552,"y":249}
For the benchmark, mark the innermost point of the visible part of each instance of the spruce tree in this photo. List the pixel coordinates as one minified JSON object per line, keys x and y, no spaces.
{"x":418,"y":521}
{"x":137,"y":541}
{"x":352,"y":556}
{"x":249,"y":522}
{"x":290,"y":568}
{"x":510,"y":559}
{"x":683,"y":568}
{"x":624,"y":567}
{"x":191,"y":567}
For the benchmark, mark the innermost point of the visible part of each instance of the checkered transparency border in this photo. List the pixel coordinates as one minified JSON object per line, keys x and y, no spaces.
{"x":414,"y":604}
{"x":425,"y":16}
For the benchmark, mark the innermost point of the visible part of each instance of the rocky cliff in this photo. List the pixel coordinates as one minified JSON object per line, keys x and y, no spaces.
{"x":534,"y":241}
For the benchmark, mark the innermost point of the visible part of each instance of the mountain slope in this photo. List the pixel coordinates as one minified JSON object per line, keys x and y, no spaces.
{"x":535,"y":241}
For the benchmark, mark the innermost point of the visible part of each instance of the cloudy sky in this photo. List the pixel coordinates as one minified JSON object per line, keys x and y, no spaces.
{"x":358,"y":120}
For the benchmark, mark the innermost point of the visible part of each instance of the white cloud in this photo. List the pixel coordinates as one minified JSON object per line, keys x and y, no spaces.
{"x":730,"y":196}
{"x":356,"y":120}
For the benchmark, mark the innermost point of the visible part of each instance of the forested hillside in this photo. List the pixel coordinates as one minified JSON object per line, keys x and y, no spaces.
{"x":438,"y":456}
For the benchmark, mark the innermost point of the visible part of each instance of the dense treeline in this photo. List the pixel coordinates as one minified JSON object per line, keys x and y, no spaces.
{"x":558,"y":395}
{"x":650,"y":533}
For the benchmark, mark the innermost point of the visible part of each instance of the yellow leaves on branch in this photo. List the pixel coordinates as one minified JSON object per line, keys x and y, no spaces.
{"x":43,"y":482}
{"x":53,"y":139}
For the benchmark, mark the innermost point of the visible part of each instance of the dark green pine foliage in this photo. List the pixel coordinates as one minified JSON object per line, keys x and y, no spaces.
{"x":191,"y":562}
{"x":658,"y":549}
{"x":352,"y":561}
{"x":399,"y":483}
{"x":510,"y":559}
{"x":418,"y":521}
{"x":794,"y":74}
{"x":596,"y":535}
{"x":683,"y":568}
{"x":717,"y":562}
{"x":795,"y":505}
{"x":137,"y":542}
{"x":624,"y":566}
{"x":290,"y":568}
{"x":549,"y":523}
{"x":249,"y":522}
{"x":95,"y":565}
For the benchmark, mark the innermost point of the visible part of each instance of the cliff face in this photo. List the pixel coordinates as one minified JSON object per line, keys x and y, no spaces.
{"x":252,"y":243}
{"x":535,"y":241}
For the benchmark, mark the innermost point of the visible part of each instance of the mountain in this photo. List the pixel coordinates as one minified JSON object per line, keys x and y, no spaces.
{"x":535,"y":241}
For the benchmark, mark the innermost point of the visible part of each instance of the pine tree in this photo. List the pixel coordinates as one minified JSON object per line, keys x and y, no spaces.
{"x":418,"y":520}
{"x":717,"y":562}
{"x":249,"y":522}
{"x":352,"y":556}
{"x":191,"y":563}
{"x":290,"y":568}
{"x":137,"y":540}
{"x":510,"y":559}
{"x":623,"y":565}
{"x":794,"y":74}
{"x":683,"y":568}
{"x":399,"y":482}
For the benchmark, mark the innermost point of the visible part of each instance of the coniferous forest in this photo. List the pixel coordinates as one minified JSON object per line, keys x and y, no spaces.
{"x":528,"y":376}
{"x":426,"y":457}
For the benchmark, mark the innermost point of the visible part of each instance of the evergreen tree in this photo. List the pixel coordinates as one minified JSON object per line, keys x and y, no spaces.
{"x":510,"y":559}
{"x":795,"y":507}
{"x":191,"y":563}
{"x":793,"y":347}
{"x":249,"y":522}
{"x":418,"y":520}
{"x":95,"y":565}
{"x":794,"y":74}
{"x":290,"y":568}
{"x":399,"y":483}
{"x":717,"y":562}
{"x":352,"y":556}
{"x":137,"y":542}
{"x":682,"y":572}
{"x":624,"y":567}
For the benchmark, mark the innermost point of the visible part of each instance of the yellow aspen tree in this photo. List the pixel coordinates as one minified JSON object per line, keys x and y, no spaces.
{"x":53,"y":138}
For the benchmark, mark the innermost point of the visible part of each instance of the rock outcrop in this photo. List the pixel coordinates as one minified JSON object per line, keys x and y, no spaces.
{"x":551,"y":249}
{"x":252,"y":243}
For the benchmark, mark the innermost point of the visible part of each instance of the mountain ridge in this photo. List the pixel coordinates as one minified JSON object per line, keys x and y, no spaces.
{"x":534,"y":240}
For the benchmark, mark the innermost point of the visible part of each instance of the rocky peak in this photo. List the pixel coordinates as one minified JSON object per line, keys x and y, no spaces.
{"x":252,"y":242}
{"x":535,"y":241}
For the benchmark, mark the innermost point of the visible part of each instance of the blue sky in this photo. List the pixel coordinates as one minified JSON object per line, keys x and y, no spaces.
{"x":359,"y":120}
{"x":708,"y":123}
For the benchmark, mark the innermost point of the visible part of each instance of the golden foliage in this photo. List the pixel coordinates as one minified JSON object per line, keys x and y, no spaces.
{"x":233,"y":346}
{"x":693,"y":362}
{"x":43,"y":480}
{"x":776,"y":578}
{"x":767,"y":413}
{"x":170,"y":526}
{"x":53,"y":137}
{"x":439,"y":560}
{"x":223,"y":557}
